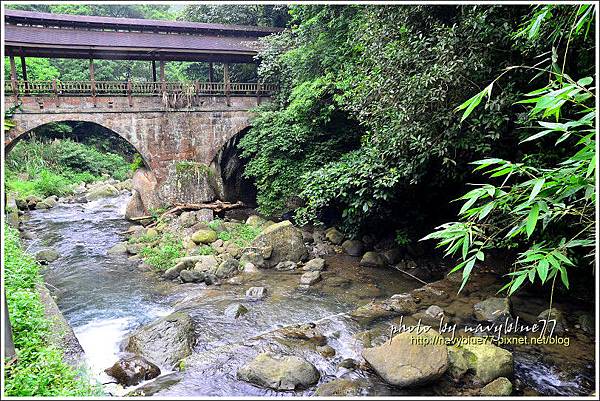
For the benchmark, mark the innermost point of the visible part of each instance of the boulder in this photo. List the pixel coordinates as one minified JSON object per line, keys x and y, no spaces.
{"x":192,"y":276}
{"x":46,"y":255}
{"x":372,"y":259}
{"x":135,"y":206}
{"x":175,"y":271}
{"x":12,"y":217}
{"x":124,"y":185}
{"x":134,"y":249}
{"x":399,"y":304}
{"x":340,"y":387}
{"x":119,"y":248}
{"x":212,"y":279}
{"x":204,"y":236}
{"x":431,"y":316}
{"x":42,"y":205}
{"x":500,"y":387}
{"x":252,"y":256}
{"x":334,"y":236}
{"x":554,"y":314}
{"x":227,"y":268}
{"x":353,"y":247}
{"x":187,"y":219}
{"x":326,"y":350}
{"x":233,"y":249}
{"x":492,"y":309}
{"x":101,"y":191}
{"x":409,"y":359}
{"x":256,"y":293}
{"x":32,"y":200}
{"x":250,"y":268}
{"x":586,"y":323}
{"x":458,"y":364}
{"x":287,"y":265}
{"x":236,"y":310}
{"x":279,"y":372}
{"x":255,"y":221}
{"x":133,"y":370}
{"x":164,"y":341}
{"x":286,"y":241}
{"x":392,"y":256}
{"x":310,"y":278}
{"x":316,"y":264}
{"x":488,"y":362}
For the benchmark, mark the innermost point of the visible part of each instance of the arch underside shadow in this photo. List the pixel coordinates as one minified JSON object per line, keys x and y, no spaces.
{"x":24,"y":131}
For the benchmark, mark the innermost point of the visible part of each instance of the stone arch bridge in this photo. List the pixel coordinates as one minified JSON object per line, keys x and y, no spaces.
{"x":178,"y":128}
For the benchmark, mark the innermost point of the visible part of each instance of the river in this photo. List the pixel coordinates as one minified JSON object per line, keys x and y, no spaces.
{"x":104,"y":297}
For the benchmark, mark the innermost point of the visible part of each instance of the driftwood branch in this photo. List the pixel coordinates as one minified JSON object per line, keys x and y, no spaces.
{"x":216,"y":206}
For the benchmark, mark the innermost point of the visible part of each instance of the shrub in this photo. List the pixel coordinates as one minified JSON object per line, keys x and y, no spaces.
{"x":162,"y":257}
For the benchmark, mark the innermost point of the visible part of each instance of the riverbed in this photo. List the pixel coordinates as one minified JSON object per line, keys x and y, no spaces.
{"x":104,"y":297}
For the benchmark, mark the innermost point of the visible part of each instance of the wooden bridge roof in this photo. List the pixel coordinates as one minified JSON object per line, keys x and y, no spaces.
{"x":34,"y":34}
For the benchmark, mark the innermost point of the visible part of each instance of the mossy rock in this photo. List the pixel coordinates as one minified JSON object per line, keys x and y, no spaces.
{"x":204,"y":236}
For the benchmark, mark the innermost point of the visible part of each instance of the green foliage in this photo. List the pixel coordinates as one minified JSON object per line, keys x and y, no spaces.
{"x":39,"y":370}
{"x":137,"y":162}
{"x":44,"y":168}
{"x":163,"y":255}
{"x":206,"y":250}
{"x":366,"y":107}
{"x":544,"y":208}
{"x":225,"y":235}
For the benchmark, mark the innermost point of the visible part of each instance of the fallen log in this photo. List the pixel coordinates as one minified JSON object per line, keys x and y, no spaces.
{"x":216,"y":206}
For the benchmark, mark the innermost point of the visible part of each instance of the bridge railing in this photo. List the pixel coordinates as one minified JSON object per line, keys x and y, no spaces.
{"x":130,"y":88}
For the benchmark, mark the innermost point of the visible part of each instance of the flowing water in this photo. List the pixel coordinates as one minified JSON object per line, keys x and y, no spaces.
{"x":104,"y":297}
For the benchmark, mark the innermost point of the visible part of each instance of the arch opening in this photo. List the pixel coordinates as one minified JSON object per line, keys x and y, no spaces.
{"x":229,"y":164}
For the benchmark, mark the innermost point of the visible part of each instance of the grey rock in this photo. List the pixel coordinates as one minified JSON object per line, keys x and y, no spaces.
{"x":153,"y":387}
{"x":353,"y":247}
{"x":253,"y":257}
{"x":174,"y":271}
{"x":134,"y":249}
{"x":119,"y":248}
{"x":192,"y":276}
{"x":501,"y":387}
{"x":228,"y":268}
{"x":133,"y":370}
{"x":164,"y":341}
{"x":286,"y":241}
{"x":101,"y":191}
{"x":187,"y":219}
{"x":310,"y":278}
{"x":46,"y":255}
{"x":287,"y":265}
{"x":372,"y":259}
{"x":492,"y":309}
{"x":392,"y":256}
{"x":250,"y":268}
{"x":279,"y":372}
{"x":211,"y":279}
{"x":586,"y":323}
{"x":317,"y":264}
{"x":342,"y":387}
{"x":334,"y":236}
{"x":404,"y":362}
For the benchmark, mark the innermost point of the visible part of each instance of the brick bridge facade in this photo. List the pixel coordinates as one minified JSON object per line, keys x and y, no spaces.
{"x":168,"y":133}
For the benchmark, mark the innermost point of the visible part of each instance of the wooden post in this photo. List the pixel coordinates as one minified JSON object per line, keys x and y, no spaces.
{"x":13,"y":76}
{"x":163,"y":85}
{"x":93,"y":80}
{"x":226,"y":82}
{"x":129,"y":93}
{"x":55,"y":90}
{"x":211,"y":74}
{"x":258,"y":90}
{"x":24,"y":72}
{"x":154,"y":75}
